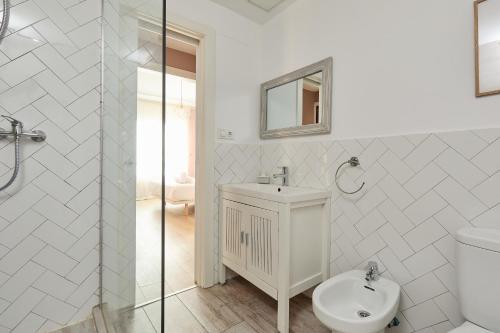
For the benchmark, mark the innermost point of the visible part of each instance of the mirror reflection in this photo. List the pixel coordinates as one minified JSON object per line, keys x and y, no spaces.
{"x":298,"y":103}
{"x":295,"y":103}
{"x":487,"y":47}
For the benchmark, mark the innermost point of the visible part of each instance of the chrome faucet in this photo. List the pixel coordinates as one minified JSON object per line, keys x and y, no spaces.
{"x":17,"y":131}
{"x":283,"y":175}
{"x":17,"y":128}
{"x":372,"y":272}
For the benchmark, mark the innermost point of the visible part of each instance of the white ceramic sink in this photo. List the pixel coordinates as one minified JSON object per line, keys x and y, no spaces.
{"x":276,"y":193}
{"x":348,"y":304}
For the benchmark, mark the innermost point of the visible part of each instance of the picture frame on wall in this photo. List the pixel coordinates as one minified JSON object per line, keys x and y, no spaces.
{"x":487,"y":47}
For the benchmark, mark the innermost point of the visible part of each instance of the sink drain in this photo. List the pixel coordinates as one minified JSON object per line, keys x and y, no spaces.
{"x":364,"y":314}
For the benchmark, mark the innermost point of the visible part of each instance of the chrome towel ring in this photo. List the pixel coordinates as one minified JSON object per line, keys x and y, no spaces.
{"x":354,"y":162}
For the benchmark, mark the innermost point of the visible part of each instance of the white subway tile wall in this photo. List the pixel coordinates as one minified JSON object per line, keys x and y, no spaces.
{"x":420,"y":189}
{"x":49,"y":79}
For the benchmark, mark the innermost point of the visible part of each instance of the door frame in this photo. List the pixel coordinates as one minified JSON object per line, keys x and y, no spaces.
{"x":205,"y":145}
{"x":205,"y":142}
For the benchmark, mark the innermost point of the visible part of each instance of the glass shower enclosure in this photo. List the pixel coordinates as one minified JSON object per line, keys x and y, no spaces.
{"x":132,"y":39}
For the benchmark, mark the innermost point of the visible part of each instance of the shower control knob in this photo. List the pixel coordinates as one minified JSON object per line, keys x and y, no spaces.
{"x":39,"y":136}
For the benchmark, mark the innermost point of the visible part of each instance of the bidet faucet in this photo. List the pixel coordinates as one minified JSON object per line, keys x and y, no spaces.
{"x":283,"y":175}
{"x":372,"y":273}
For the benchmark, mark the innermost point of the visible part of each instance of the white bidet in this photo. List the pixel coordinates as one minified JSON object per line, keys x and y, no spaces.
{"x":348,"y":303}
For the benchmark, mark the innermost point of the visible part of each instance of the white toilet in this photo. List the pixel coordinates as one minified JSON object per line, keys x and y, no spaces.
{"x":478,"y":270}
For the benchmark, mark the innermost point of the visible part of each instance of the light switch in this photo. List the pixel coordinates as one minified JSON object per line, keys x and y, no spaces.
{"x":225,"y":134}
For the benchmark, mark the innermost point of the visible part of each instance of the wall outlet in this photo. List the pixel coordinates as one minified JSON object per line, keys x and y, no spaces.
{"x":225,"y":134}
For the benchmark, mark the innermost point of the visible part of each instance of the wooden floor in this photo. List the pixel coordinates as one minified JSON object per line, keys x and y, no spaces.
{"x":179,"y":250}
{"x":236,"y":307}
{"x":83,"y":327}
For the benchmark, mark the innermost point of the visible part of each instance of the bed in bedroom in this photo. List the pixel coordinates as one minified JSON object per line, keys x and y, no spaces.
{"x":181,"y":192}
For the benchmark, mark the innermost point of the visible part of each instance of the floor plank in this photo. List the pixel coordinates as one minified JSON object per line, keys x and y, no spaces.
{"x":302,"y":318}
{"x":179,"y":249}
{"x":86,"y":326}
{"x":251,"y":304}
{"x":242,"y":327}
{"x":235,"y":307}
{"x":134,"y":322}
{"x":210,"y":311}
{"x":259,"y":310}
{"x":178,"y":319}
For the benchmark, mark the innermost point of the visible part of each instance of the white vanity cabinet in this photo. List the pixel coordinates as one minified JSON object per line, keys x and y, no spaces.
{"x":278,"y":238}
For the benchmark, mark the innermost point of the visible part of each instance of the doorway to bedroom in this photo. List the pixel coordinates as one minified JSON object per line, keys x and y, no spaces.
{"x":179,"y":170}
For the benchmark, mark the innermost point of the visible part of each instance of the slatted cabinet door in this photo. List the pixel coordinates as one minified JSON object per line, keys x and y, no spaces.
{"x":262,"y":247}
{"x":233,"y":232}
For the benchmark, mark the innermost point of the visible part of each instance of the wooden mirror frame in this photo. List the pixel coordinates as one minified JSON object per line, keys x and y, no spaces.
{"x":476,"y":49}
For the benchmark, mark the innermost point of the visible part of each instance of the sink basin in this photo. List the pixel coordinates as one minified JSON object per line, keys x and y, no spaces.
{"x":348,"y":304}
{"x":276,"y":193}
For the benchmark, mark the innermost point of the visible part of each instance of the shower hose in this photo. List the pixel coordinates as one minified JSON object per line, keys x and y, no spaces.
{"x":5,"y":19}
{"x":17,"y":162}
{"x":3,"y":31}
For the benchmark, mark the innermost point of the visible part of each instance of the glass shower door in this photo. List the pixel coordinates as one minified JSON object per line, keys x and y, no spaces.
{"x":127,"y":272}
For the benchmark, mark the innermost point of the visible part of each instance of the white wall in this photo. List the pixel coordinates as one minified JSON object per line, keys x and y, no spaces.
{"x":399,"y":66}
{"x":237,"y":64}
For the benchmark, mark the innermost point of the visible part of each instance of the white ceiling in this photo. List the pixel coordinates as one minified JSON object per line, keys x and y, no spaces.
{"x":266,"y":5}
{"x":259,"y":11}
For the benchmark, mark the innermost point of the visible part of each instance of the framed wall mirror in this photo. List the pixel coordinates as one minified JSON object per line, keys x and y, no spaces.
{"x":298,"y":103}
{"x":487,"y":45}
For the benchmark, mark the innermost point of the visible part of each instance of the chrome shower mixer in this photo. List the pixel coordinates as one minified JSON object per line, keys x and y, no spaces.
{"x":17,"y":132}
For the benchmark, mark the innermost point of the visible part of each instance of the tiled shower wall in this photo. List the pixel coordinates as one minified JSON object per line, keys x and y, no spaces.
{"x":419,"y":190}
{"x":49,"y":79}
{"x":234,"y":163}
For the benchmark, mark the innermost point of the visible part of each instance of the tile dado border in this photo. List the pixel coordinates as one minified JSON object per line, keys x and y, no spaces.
{"x":419,"y":190}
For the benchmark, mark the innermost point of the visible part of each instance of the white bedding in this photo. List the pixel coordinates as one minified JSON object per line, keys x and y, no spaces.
{"x":179,"y":192}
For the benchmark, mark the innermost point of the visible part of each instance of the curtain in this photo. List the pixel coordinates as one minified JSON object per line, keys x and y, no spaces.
{"x":149,"y":152}
{"x":179,"y":131}
{"x":176,"y":141}
{"x":149,"y":130}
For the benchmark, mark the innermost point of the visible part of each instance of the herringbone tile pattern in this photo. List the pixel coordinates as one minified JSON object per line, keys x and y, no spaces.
{"x":234,"y":163}
{"x":419,"y":190}
{"x":49,"y":79}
